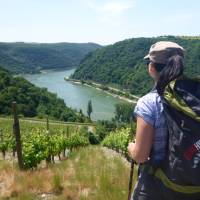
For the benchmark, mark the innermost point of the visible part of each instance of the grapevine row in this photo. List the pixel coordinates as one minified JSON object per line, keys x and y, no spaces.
{"x":118,"y":140}
{"x":39,"y":144}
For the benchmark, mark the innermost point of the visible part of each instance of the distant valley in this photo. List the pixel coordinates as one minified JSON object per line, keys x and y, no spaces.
{"x":23,"y":57}
{"x":119,"y":65}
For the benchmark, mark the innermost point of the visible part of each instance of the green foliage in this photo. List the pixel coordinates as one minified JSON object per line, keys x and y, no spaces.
{"x":89,"y":108}
{"x":118,"y":140}
{"x":34,"y":149}
{"x":33,"y":101}
{"x":93,"y":138}
{"x":123,"y":112}
{"x":122,"y":64}
{"x":76,"y":140}
{"x":103,"y":128}
{"x":39,"y":144}
{"x":32,"y":57}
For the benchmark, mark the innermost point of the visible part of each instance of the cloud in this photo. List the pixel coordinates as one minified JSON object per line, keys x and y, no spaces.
{"x":110,"y":12}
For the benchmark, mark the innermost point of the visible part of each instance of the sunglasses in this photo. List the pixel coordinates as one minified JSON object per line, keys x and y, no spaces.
{"x":148,"y":62}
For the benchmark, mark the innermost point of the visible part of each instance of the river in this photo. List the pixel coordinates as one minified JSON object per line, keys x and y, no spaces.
{"x":76,"y":96}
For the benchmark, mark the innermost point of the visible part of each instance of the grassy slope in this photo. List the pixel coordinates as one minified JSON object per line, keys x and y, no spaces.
{"x":91,"y":173}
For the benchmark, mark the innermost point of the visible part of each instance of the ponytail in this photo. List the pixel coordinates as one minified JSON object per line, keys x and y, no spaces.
{"x":172,"y":70}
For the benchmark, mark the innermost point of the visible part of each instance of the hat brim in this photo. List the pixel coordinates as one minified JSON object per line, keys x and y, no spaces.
{"x":146,"y":57}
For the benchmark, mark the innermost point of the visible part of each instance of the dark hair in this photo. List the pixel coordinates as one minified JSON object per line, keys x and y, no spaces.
{"x":159,"y":67}
{"x":172,"y":70}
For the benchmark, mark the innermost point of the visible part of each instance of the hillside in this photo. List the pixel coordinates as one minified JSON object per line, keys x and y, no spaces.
{"x":122,"y":65}
{"x":32,"y":57}
{"x":32,"y":101}
{"x":91,"y":173}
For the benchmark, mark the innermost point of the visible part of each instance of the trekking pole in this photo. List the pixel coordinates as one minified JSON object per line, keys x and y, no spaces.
{"x":132,"y":164}
{"x":130,"y":179}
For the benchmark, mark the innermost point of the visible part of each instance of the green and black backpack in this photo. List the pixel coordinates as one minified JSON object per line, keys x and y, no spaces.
{"x":181,"y":101}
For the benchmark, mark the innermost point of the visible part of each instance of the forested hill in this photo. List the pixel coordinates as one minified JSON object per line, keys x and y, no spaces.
{"x":32,"y":101}
{"x":32,"y":57}
{"x":122,"y":63}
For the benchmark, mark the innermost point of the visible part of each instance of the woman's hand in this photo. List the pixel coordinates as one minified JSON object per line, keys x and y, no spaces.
{"x":131,"y":149}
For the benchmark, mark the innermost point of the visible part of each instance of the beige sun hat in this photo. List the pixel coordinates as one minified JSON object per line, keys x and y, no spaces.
{"x":161,"y":51}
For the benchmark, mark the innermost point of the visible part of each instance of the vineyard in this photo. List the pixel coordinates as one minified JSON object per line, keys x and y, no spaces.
{"x":41,"y":141}
{"x":93,"y":172}
{"x":118,"y":140}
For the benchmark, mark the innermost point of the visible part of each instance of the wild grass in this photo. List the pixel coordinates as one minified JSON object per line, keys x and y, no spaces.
{"x":90,"y":173}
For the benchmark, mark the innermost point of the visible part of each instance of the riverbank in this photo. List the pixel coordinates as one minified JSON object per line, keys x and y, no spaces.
{"x":109,"y":90}
{"x":45,"y":71}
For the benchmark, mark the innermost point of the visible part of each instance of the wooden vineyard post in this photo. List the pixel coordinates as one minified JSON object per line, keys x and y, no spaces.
{"x":16,"y":131}
{"x":1,"y":135}
{"x":48,"y":159}
{"x":1,"y":140}
{"x":47,"y":123}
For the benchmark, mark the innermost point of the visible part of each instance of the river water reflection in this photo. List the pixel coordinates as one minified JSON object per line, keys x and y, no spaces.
{"x":76,"y":96}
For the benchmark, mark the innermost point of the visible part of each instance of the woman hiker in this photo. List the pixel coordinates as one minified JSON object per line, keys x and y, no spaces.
{"x":149,"y":148}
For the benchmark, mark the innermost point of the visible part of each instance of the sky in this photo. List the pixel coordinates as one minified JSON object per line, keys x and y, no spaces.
{"x":99,"y":21}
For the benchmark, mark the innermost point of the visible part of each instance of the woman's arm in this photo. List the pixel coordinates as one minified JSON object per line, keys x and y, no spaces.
{"x":140,"y":150}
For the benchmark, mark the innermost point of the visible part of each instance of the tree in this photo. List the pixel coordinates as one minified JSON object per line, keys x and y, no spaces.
{"x":89,"y":108}
{"x":123,"y":112}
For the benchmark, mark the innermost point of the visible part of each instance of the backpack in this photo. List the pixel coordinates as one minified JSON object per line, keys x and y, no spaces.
{"x":181,"y":168}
